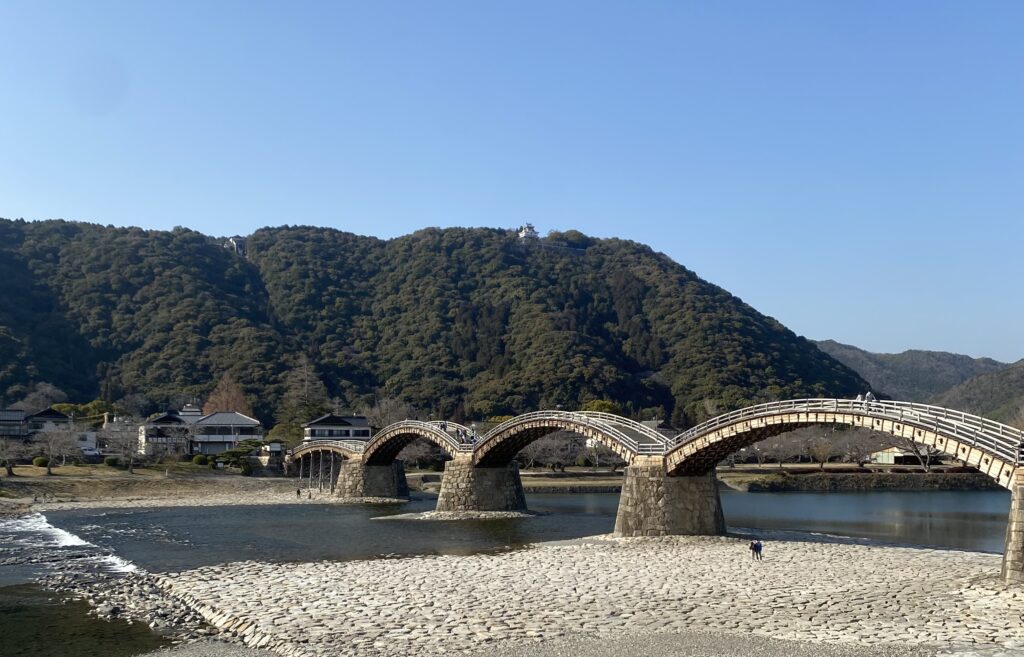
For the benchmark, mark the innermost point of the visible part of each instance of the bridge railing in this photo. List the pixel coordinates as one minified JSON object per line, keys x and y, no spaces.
{"x":586,"y":419}
{"x":643,"y":430}
{"x":1001,"y":440}
{"x":434,"y":428}
{"x":350,"y":445}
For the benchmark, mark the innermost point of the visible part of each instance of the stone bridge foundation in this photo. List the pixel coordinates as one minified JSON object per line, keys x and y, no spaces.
{"x":654,"y":504}
{"x":468,"y":488}
{"x":358,"y":480}
{"x":1013,"y":557}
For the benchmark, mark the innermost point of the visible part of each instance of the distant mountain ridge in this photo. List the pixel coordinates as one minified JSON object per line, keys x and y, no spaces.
{"x":912,"y":375}
{"x":996,"y":395}
{"x":459,"y":322}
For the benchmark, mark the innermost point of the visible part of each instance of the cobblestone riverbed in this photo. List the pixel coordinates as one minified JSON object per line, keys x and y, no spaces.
{"x":841,"y":592}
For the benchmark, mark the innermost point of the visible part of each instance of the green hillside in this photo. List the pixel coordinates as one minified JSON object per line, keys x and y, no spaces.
{"x":996,"y":395}
{"x":912,"y":375}
{"x":459,"y":322}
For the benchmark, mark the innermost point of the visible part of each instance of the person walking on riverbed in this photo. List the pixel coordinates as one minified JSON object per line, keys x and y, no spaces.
{"x":755,"y":549}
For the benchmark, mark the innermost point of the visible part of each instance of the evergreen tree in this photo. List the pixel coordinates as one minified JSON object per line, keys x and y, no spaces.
{"x":460,"y":323}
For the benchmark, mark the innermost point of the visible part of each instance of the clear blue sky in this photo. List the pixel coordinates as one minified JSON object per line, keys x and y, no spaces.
{"x":854,"y":169}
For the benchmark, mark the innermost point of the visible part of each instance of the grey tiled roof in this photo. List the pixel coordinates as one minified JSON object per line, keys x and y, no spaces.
{"x":333,"y":420}
{"x":228,"y":418}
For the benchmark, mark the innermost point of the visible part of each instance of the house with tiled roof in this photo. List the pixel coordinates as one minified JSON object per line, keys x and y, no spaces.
{"x":337,"y":427}
{"x":218,"y":432}
{"x":189,"y":431}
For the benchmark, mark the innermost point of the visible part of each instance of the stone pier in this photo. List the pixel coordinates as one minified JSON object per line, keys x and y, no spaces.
{"x":468,"y":488}
{"x":1013,"y":557}
{"x":358,"y":480}
{"x":654,"y":504}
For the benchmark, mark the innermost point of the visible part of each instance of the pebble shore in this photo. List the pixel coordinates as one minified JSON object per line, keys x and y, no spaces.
{"x":135,"y":597}
{"x":212,"y":499}
{"x":840,"y":596}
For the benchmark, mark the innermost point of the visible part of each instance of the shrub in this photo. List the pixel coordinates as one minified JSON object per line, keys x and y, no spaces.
{"x":246,"y":469}
{"x":200,"y":459}
{"x":112,"y":461}
{"x":40,"y":461}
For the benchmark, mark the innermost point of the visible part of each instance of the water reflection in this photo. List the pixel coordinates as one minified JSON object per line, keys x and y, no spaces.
{"x":973,"y":520}
{"x":177,"y":539}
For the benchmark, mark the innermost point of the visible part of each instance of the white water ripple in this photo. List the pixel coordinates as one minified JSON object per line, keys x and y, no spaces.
{"x":34,"y":535}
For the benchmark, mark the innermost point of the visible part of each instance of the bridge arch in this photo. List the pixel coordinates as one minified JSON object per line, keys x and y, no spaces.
{"x":624,"y":437}
{"x":452,"y":438}
{"x":346,"y":449}
{"x":993,"y":448}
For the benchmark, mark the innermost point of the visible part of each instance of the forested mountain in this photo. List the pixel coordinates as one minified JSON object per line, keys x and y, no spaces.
{"x":459,"y":322}
{"x":996,"y":395}
{"x":912,"y":375}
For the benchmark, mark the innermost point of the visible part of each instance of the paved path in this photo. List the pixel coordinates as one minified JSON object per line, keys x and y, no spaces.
{"x":835,"y":593}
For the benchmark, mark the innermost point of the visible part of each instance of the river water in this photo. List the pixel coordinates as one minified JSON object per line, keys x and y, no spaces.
{"x":174,"y":539}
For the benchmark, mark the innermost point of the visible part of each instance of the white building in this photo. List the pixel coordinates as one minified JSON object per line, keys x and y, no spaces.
{"x":12,"y":423}
{"x":337,"y":427}
{"x":46,"y":420}
{"x":188,"y":431}
{"x":221,"y":431}
{"x":167,"y":433}
{"x":527,"y":232}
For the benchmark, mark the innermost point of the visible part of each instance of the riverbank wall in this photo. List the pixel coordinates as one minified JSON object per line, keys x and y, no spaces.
{"x":754,"y":482}
{"x":826,"y":482}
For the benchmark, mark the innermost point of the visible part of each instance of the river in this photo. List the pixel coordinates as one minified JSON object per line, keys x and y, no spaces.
{"x":174,"y":539}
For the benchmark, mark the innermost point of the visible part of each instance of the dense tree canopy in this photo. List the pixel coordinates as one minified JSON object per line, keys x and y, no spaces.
{"x":462,"y":323}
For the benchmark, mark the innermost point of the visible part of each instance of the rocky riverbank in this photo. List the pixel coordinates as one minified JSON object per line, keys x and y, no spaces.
{"x":839,"y":592}
{"x":126,"y":492}
{"x":458,"y":515}
{"x":136,"y":597}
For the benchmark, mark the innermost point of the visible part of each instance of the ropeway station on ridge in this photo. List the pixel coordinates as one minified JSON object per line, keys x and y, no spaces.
{"x":669,"y":485}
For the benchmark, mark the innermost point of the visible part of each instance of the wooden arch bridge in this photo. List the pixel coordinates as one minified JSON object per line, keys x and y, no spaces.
{"x":669,"y":485}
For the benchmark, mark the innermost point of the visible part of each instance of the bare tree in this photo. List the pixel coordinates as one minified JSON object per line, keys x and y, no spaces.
{"x":857,"y":445}
{"x":389,"y":410}
{"x":925,"y":454}
{"x":169,"y":440}
{"x":42,"y":396}
{"x":597,"y":453}
{"x":760,"y":452}
{"x":554,"y":449}
{"x":774,"y":449}
{"x":57,"y":443}
{"x":11,"y":450}
{"x":122,"y":437}
{"x":227,"y":396}
{"x":530,"y":455}
{"x":820,"y":449}
{"x":421,"y":452}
